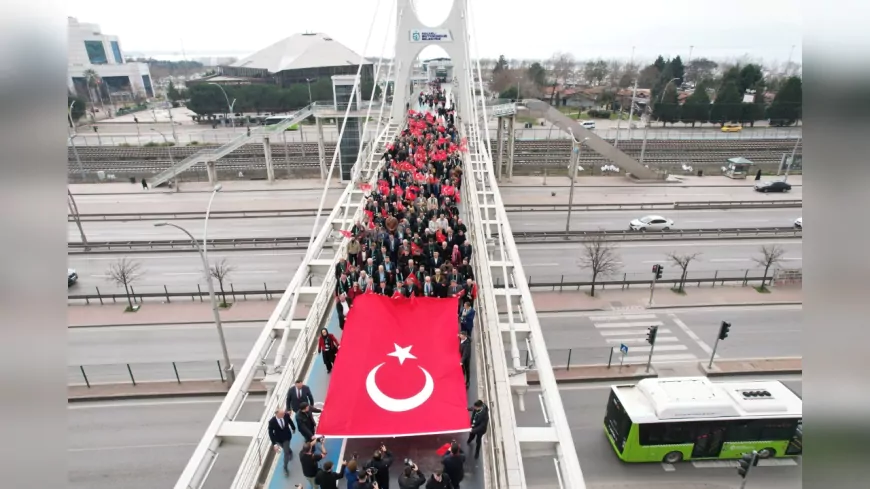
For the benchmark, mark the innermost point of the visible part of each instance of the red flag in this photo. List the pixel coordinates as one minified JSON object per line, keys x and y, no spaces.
{"x":443,"y":450}
{"x":365,"y":187}
{"x":394,"y":377}
{"x":347,"y":234}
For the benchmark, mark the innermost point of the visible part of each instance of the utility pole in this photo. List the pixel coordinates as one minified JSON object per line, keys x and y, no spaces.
{"x":631,"y":110}
{"x":791,"y":160}
{"x":71,"y":203}
{"x":575,"y":161}
{"x":649,"y":119}
{"x":72,"y":140}
{"x":172,"y":123}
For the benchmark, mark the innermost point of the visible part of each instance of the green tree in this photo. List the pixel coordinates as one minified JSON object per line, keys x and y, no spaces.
{"x":696,"y":108}
{"x":750,"y":76}
{"x":660,"y":63}
{"x":537,"y":75}
{"x":172,"y":92}
{"x":78,"y":108}
{"x":786,"y":107}
{"x":700,"y":70}
{"x":678,"y":70}
{"x":508,"y":93}
{"x":207,"y":99}
{"x":668,"y":110}
{"x":500,"y":65}
{"x":648,"y":77}
{"x":728,"y":105}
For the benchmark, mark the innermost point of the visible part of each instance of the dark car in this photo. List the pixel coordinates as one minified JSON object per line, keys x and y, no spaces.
{"x":71,"y":277}
{"x":776,"y":186}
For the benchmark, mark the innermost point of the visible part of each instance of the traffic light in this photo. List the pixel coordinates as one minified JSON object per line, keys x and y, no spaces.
{"x":659,"y":271}
{"x":651,"y":334}
{"x":746,"y":462}
{"x":723,"y":330}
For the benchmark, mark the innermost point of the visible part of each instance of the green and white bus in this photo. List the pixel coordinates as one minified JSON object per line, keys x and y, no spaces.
{"x":690,"y":418}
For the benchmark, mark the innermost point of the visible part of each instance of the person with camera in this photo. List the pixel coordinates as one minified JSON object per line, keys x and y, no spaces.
{"x":327,"y":478}
{"x":381,"y":461}
{"x":411,"y":477}
{"x":366,"y":479}
{"x":454,"y":465}
{"x":440,"y":480}
{"x":310,"y":461}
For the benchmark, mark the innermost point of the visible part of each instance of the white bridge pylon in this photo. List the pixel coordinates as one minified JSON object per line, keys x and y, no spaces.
{"x":499,"y":376}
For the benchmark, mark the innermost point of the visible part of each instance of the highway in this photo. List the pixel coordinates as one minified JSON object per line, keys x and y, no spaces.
{"x":146,"y":444}
{"x":150,"y":351}
{"x":637,"y":194}
{"x":685,"y":335}
{"x":585,"y":406}
{"x":542,"y":262}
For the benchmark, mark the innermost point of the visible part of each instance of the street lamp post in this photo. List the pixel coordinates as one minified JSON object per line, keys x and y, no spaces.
{"x":72,"y":142}
{"x":649,"y":119}
{"x":574,"y":163}
{"x":308,"y":81}
{"x":169,"y":150}
{"x":72,"y":124}
{"x":203,"y":254}
{"x":791,"y":161}
{"x":71,"y":203}
{"x":230,"y":105}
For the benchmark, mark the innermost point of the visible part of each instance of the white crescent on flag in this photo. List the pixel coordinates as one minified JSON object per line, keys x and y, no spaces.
{"x":391,"y":404}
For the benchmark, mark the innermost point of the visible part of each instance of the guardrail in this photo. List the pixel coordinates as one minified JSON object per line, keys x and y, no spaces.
{"x":670,"y":235}
{"x":162,"y":216}
{"x":623,"y":284}
{"x":137,"y":372}
{"x":222,"y":244}
{"x":723,"y":204}
{"x":166,"y":296}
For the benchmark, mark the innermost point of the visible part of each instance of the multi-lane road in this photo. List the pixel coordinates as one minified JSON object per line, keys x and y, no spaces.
{"x":151,"y":350}
{"x":685,"y":335}
{"x":146,"y":444}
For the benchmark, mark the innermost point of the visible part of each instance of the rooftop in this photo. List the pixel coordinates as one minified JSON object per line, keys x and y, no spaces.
{"x":300,"y":51}
{"x":693,"y":398}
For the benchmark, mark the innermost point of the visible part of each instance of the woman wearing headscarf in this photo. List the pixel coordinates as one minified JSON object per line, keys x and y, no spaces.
{"x":327,"y":345}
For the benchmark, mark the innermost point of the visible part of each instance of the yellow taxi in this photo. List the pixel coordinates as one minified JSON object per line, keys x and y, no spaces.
{"x":732,"y":128}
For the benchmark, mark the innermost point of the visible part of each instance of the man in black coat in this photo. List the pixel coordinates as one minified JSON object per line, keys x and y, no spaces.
{"x":381,"y":462}
{"x":281,"y":429}
{"x":440,"y":480}
{"x":306,"y":424}
{"x":479,"y":424}
{"x":298,"y":394}
{"x":454,"y":464}
{"x":465,"y":356}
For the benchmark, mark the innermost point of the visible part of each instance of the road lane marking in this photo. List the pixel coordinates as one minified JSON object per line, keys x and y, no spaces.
{"x":645,"y":349}
{"x":622,"y":316}
{"x":617,"y":341}
{"x":668,"y":467}
{"x":632,"y":324}
{"x":691,"y":334}
{"x":628,"y":332}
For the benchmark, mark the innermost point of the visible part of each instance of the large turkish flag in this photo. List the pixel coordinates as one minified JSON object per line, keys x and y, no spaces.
{"x":397,"y":372}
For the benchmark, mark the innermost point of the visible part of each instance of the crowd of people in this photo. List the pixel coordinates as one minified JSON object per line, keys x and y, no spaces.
{"x":411,"y":242}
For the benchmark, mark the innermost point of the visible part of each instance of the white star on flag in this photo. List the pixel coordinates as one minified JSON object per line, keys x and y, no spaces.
{"x":402,"y":353}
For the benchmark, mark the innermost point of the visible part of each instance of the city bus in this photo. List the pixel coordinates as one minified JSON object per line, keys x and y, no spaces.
{"x":690,"y":418}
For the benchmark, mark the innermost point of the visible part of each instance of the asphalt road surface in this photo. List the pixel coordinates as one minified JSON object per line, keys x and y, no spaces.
{"x":685,"y":335}
{"x":683,"y":219}
{"x":150,"y":350}
{"x":146,"y":444}
{"x":255,"y":227}
{"x":541,"y":262}
{"x":584,"y":406}
{"x":540,"y":195}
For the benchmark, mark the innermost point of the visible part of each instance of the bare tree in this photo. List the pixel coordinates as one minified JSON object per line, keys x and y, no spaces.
{"x":600,"y":257}
{"x":770,"y":256}
{"x":221,"y":271}
{"x":563,"y":66}
{"x":125,"y":272}
{"x":615,"y":70}
{"x":683,"y":262}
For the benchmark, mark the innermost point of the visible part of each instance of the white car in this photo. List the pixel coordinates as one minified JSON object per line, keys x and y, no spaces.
{"x":799,"y":222}
{"x":588,"y":124}
{"x":651,"y":223}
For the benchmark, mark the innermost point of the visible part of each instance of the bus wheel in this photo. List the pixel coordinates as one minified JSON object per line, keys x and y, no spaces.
{"x":673,"y":457}
{"x":766,"y":453}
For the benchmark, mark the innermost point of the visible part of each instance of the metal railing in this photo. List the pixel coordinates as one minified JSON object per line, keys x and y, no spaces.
{"x":538,"y":132}
{"x":522,"y":237}
{"x":161,"y":293}
{"x":219,"y":244}
{"x":700,"y":205}
{"x":162,"y":216}
{"x":134,"y":373}
{"x":563,"y":283}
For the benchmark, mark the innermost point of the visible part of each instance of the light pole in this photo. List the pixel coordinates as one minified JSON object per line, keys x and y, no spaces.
{"x":72,"y":142}
{"x":308,"y":81}
{"x":71,"y":203}
{"x":574,"y":162}
{"x":231,"y":105}
{"x":138,"y":133}
{"x":169,"y":150}
{"x":72,"y":124}
{"x":790,"y":161}
{"x":203,"y":254}
{"x":649,"y":118}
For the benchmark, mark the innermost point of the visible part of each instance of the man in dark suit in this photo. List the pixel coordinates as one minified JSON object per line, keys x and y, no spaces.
{"x":305,"y":421}
{"x":297,"y":394}
{"x":465,"y":355}
{"x":281,"y":429}
{"x":479,"y":424}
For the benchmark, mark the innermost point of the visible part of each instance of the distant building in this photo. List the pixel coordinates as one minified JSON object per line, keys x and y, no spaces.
{"x":119,"y":80}
{"x":296,"y":59}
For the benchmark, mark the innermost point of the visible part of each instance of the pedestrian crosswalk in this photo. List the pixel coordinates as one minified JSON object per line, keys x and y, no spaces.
{"x":630,"y":329}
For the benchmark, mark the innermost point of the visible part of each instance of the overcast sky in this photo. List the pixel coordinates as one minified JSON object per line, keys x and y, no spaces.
{"x":765,"y":30}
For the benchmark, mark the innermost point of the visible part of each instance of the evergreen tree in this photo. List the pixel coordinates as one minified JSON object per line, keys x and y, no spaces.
{"x":728,"y":105}
{"x":750,"y":75}
{"x":696,"y":108}
{"x":500,"y":65}
{"x":678,"y":70}
{"x":668,"y":110}
{"x":786,"y":107}
{"x":660,"y":63}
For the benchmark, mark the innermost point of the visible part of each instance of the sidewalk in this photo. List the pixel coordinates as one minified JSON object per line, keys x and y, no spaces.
{"x":789,"y":365}
{"x":638,"y":298}
{"x":173,"y":313}
{"x":562,"y":180}
{"x":204,"y":187}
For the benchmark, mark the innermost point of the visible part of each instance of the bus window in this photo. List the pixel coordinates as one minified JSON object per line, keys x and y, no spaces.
{"x":617,"y":422}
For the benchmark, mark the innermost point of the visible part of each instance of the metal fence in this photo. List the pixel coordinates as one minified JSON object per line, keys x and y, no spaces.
{"x":162,"y":293}
{"x":139,"y":372}
{"x":623,"y":281}
{"x":698,"y":133}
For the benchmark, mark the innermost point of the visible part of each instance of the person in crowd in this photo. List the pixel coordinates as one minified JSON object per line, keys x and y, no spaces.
{"x":342,"y":307}
{"x":411,"y":477}
{"x":298,"y":394}
{"x":440,"y":480}
{"x":305,"y":422}
{"x":327,"y":346}
{"x":327,"y":478}
{"x":281,"y":429}
{"x":351,"y":476}
{"x":479,"y":424}
{"x":310,"y":459}
{"x":454,"y":464}
{"x":466,"y":318}
{"x":381,"y":461}
{"x":465,"y":356}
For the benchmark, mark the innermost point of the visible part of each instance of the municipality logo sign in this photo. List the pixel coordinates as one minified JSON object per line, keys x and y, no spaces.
{"x":434,"y":35}
{"x":415,"y":36}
